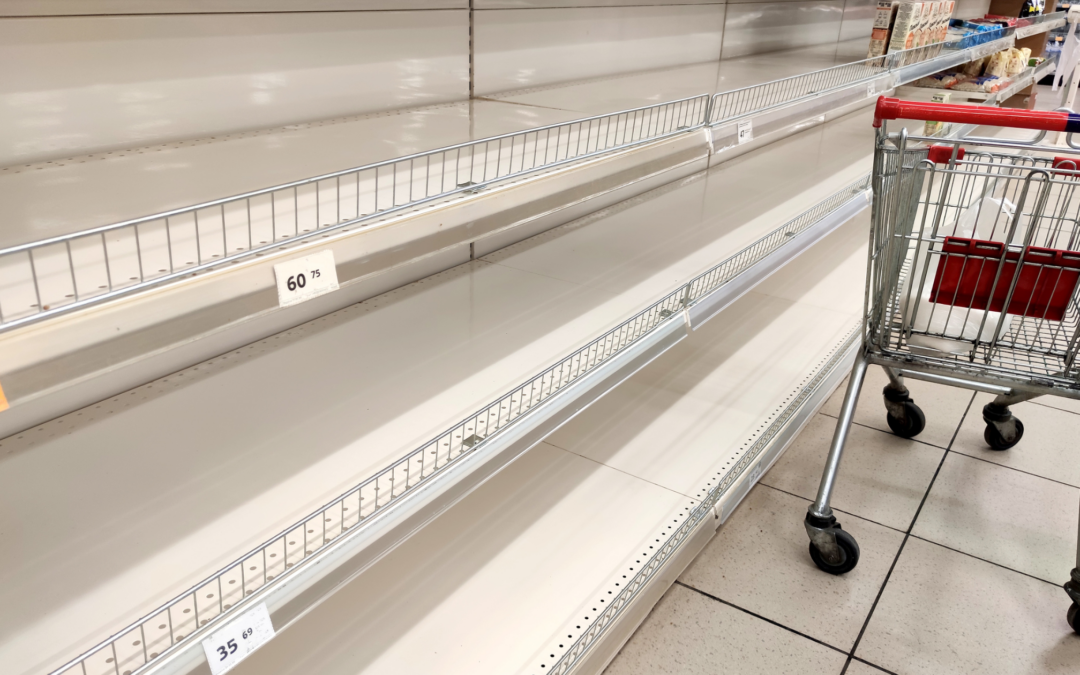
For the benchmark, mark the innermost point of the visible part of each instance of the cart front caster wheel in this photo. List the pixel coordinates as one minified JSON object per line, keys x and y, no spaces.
{"x":848,"y":547}
{"x":911,"y":425}
{"x":997,"y":441}
{"x":1074,"y":617}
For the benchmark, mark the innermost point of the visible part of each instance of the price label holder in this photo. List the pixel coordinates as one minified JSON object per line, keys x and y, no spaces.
{"x":240,"y":637}
{"x":746,"y":131}
{"x":870,"y":90}
{"x":306,"y":278}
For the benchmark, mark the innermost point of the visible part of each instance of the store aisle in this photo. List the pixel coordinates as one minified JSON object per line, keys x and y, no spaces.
{"x":963,"y":553}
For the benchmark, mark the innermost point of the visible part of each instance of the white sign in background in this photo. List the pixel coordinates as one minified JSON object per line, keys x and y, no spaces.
{"x":305,"y":278}
{"x":746,"y":131}
{"x":232,"y":644}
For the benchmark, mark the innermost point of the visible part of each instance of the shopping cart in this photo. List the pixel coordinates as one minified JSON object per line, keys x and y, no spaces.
{"x":971,"y":281}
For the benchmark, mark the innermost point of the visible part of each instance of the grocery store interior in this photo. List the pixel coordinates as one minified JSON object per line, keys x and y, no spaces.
{"x":539,"y":336}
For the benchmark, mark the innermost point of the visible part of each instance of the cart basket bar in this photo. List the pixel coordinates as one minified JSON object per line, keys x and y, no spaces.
{"x":894,"y":108}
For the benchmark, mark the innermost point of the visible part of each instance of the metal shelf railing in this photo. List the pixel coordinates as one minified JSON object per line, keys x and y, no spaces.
{"x":61,"y":274}
{"x":54,"y":276}
{"x":184,"y":621}
{"x":738,"y":103}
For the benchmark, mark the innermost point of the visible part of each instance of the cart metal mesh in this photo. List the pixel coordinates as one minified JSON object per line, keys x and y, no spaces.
{"x":962,"y":231}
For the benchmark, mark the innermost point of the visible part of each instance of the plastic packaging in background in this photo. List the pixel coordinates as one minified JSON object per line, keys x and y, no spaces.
{"x":1069,"y":53}
{"x":987,"y":84}
{"x":975,"y":68}
{"x":929,"y":127}
{"x":988,"y":219}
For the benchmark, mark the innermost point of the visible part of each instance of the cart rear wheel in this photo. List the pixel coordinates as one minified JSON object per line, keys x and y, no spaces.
{"x":996,"y":441}
{"x":913,"y":423}
{"x":1074,"y":617}
{"x":848,"y":546}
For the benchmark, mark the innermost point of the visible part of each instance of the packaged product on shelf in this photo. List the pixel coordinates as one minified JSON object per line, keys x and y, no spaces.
{"x":975,"y":68}
{"x":1015,"y":62}
{"x":986,"y":84}
{"x":883,"y":22}
{"x":935,"y":81}
{"x":940,"y":80}
{"x":884,"y":14}
{"x":906,"y":27}
{"x":997,"y":65}
{"x":1003,"y":20}
{"x":931,"y":128}
{"x":925,"y":23}
{"x":963,"y":33}
{"x":879,"y":42}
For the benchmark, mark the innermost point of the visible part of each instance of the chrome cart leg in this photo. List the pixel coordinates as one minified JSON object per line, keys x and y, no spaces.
{"x":1003,"y":431}
{"x":1072,"y":587}
{"x":832,"y":549}
{"x":904,"y":417}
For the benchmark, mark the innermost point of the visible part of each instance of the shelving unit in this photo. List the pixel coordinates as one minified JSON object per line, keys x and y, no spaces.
{"x":1009,"y":88}
{"x":578,"y":310}
{"x":1032,"y":37}
{"x":489,"y":343}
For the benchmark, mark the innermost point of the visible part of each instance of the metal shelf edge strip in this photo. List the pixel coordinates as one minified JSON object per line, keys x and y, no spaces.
{"x":728,"y":492}
{"x":385,"y":529}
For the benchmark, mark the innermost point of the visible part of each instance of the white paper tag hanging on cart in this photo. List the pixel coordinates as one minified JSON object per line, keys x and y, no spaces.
{"x":305,"y":278}
{"x":746,"y":131}
{"x":230,"y":645}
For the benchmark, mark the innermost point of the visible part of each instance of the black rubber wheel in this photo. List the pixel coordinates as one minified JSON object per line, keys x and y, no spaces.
{"x":848,"y":546}
{"x":1074,"y":617}
{"x":995,"y":440}
{"x":913,"y":423}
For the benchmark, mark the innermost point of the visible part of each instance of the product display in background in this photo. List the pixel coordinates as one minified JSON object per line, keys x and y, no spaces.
{"x":931,"y":128}
{"x":903,"y":24}
{"x":985,"y":75}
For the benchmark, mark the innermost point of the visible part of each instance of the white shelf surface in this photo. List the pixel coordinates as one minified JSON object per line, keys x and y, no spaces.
{"x":596,"y":96}
{"x":211,"y":461}
{"x":69,"y":195}
{"x":505,"y":580}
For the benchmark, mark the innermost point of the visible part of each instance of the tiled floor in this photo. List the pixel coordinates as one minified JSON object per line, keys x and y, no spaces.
{"x":963,"y":551}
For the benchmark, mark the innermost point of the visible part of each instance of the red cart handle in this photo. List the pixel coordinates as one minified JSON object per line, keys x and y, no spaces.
{"x":894,"y":108}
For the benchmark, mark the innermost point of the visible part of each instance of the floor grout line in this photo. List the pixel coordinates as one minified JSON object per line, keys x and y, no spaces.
{"x":809,"y":500}
{"x":865,"y":662}
{"x":890,"y":433}
{"x":1045,"y":405}
{"x":1013,"y":468}
{"x":907,"y":535}
{"x":758,"y":616}
{"x":991,"y":562}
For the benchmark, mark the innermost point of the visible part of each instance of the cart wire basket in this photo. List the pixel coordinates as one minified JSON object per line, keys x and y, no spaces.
{"x":972,"y":281}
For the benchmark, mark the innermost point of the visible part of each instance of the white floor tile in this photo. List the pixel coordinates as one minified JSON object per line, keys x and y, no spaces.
{"x":759,"y":561}
{"x":943,"y":406}
{"x":1048,"y":448}
{"x":860,"y":668}
{"x":690,"y":634}
{"x":1060,"y":403}
{"x":882,"y":477}
{"x":944,"y":612}
{"x":1023,"y":522}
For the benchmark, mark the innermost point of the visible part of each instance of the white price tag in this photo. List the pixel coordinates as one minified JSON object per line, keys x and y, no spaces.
{"x":746,"y":131}
{"x":755,"y":473}
{"x":305,"y":278}
{"x":870,"y":90}
{"x":232,"y":644}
